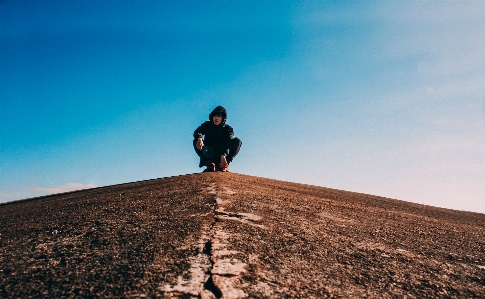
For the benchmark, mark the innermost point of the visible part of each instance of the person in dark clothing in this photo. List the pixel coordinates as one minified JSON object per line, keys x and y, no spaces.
{"x":214,"y":142}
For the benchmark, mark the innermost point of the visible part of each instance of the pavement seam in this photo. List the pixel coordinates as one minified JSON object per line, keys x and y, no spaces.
{"x":224,"y":272}
{"x":210,"y":290}
{"x":199,"y":284}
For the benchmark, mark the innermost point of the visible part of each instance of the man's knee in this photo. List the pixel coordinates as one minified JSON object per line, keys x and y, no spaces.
{"x":235,"y":147}
{"x":236,"y":143}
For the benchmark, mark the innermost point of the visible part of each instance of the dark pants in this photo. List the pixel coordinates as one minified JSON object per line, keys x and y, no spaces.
{"x":216,"y":157}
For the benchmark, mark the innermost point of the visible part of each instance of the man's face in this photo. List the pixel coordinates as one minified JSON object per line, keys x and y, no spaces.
{"x":217,"y":119}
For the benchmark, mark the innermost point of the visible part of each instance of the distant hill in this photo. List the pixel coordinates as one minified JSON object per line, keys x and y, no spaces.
{"x":227,"y":235}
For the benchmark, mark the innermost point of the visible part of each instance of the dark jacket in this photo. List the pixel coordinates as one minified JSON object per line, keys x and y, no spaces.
{"x":218,"y":137}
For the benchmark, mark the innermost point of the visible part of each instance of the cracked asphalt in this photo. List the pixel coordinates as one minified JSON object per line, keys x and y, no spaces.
{"x":228,"y":235}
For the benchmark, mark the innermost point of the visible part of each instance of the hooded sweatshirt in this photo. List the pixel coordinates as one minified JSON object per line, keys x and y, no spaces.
{"x":218,"y":137}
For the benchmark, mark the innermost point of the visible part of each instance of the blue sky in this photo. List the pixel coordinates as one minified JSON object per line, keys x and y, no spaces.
{"x":378,"y":97}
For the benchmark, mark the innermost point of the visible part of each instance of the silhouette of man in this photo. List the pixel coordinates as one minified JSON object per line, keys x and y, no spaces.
{"x":214,"y":142}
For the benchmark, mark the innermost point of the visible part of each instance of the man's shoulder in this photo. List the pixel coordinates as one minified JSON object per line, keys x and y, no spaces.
{"x":228,"y":128}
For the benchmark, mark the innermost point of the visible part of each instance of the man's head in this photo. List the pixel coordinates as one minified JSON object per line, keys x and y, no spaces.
{"x":218,"y":116}
{"x":217,"y":119}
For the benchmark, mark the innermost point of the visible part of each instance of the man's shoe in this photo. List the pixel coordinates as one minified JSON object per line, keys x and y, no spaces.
{"x":223,"y":169}
{"x":211,"y":167}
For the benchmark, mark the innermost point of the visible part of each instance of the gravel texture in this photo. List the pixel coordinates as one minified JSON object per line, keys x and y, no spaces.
{"x":230,"y":235}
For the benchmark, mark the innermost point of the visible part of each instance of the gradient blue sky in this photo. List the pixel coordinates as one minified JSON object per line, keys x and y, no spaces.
{"x":379,"y":97}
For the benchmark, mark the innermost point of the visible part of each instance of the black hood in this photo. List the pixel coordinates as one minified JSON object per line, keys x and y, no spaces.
{"x":219,"y":110}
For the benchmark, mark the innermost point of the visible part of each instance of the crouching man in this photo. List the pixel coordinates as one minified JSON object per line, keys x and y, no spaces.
{"x":214,"y":142}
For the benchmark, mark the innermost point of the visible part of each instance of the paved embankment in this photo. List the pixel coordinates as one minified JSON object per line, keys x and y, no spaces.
{"x":235,"y":236}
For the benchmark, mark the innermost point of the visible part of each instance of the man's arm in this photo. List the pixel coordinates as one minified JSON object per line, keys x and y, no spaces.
{"x":223,"y":163}
{"x":227,"y":143}
{"x":200,"y":131}
{"x":199,"y":144}
{"x":198,"y":134}
{"x":227,"y":146}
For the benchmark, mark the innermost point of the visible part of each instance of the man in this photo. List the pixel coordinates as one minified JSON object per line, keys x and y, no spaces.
{"x":214,"y":142}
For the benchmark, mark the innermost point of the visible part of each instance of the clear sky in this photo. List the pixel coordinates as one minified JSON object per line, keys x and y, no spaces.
{"x":378,"y":97}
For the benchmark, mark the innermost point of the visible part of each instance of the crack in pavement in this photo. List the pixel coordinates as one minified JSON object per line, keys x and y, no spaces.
{"x":209,"y":290}
{"x":214,"y":272}
{"x":200,"y":266}
{"x":225,"y":271}
{"x":197,"y":281}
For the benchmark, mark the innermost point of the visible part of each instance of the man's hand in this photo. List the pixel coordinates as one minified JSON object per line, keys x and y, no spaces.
{"x":223,"y":162}
{"x":199,"y":144}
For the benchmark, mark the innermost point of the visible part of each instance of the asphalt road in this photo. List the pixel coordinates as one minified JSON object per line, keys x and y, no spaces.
{"x":229,"y":235}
